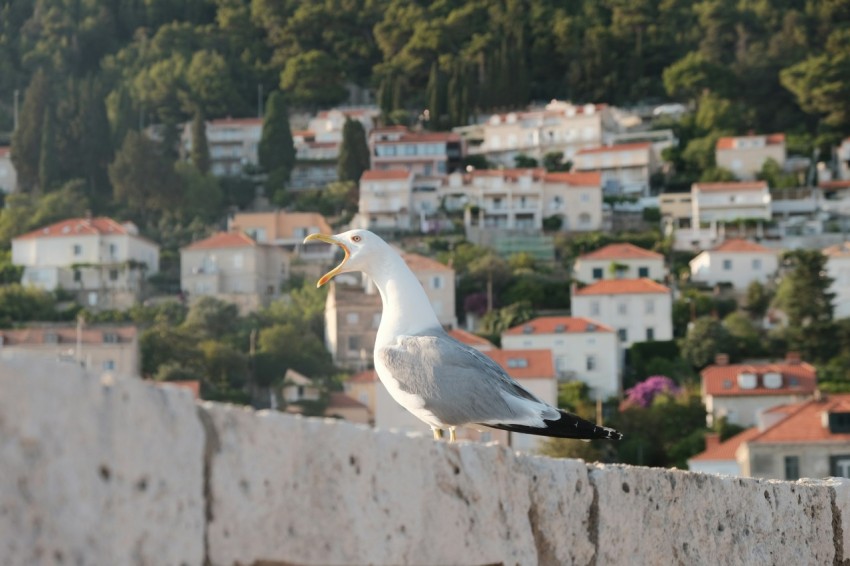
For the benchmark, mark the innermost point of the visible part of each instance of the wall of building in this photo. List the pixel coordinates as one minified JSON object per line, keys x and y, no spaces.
{"x":124,"y":472}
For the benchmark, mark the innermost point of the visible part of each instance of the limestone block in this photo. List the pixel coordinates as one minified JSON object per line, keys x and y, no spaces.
{"x":839,"y":490}
{"x":653,"y":516}
{"x":97,"y":471}
{"x":307,"y":491}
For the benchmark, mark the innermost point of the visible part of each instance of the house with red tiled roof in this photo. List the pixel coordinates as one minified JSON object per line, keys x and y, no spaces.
{"x":288,"y":229}
{"x":745,"y":156}
{"x":386,"y":200}
{"x":470,"y":339}
{"x":640,"y":310}
{"x":807,"y":439}
{"x":735,"y":261}
{"x":575,"y":198}
{"x":626,"y":169}
{"x":234,"y":267}
{"x":738,"y":392}
{"x":103,"y":262}
{"x":233,"y":144}
{"x":8,"y":173}
{"x":581,"y":349}
{"x":619,"y":261}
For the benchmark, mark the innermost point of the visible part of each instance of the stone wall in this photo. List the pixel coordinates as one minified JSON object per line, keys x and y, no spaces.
{"x":117,"y":471}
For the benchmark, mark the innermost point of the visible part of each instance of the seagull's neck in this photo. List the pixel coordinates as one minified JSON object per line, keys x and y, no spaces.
{"x":407,"y":309}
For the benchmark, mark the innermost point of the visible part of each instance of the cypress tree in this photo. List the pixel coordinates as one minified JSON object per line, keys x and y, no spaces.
{"x":26,"y":141}
{"x":353,"y":152}
{"x":277,"y":150}
{"x":47,"y":159}
{"x":200,"y":148}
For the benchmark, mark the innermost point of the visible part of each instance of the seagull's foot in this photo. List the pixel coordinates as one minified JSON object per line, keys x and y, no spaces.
{"x":452,"y":434}
{"x":438,"y":433}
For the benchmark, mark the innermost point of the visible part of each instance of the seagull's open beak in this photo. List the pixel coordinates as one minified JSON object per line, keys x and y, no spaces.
{"x":329,"y":240}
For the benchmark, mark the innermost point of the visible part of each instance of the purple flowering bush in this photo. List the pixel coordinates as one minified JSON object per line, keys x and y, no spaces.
{"x":645,"y":392}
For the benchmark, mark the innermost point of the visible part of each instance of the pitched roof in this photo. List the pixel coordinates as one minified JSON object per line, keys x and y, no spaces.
{"x":337,"y":400}
{"x":806,"y":423}
{"x":418,"y":262}
{"x":385,"y":175}
{"x":622,"y":287}
{"x":722,"y":380}
{"x":621,"y":251}
{"x":576,"y":179}
{"x":838,"y":250}
{"x":735,"y":245}
{"x":81,"y":226}
{"x":192,"y":385}
{"x":729,"y":142}
{"x":223,"y":240}
{"x":67,"y":334}
{"x":616,"y":148}
{"x":731,"y":186}
{"x":726,"y":450}
{"x":557,"y":325}
{"x":470,"y":339}
{"x":293,"y":377}
{"x":525,"y":364}
{"x":513,"y":174}
{"x":281,"y":224}
{"x":366,"y":376}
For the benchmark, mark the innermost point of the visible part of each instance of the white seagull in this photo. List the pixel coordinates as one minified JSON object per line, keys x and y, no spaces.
{"x":444,"y":383}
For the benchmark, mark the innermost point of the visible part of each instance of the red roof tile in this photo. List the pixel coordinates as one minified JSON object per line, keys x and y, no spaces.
{"x":525,"y":364}
{"x":55,"y":334}
{"x":558,"y":325}
{"x":339,"y":400}
{"x":418,"y":262}
{"x":722,"y":380}
{"x":835,"y":184}
{"x":729,"y":142}
{"x":731,"y":186}
{"x":223,"y":240}
{"x":807,"y":423}
{"x":741,"y":246}
{"x":385,"y":175}
{"x":76,"y":227}
{"x":577,"y":179}
{"x":838,"y":250}
{"x":470,"y":339}
{"x":535,"y":173}
{"x":726,"y":449}
{"x":621,"y":251}
{"x":622,"y":287}
{"x":367,"y":376}
{"x":616,"y":148}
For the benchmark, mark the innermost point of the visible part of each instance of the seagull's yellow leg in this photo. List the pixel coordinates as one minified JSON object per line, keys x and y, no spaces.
{"x":452,"y":434}
{"x":438,"y":433}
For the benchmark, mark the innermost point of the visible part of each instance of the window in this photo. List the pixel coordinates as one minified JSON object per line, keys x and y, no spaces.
{"x":78,"y":249}
{"x":237,"y":261}
{"x":839,"y":422}
{"x":352,"y":318}
{"x":78,"y":275}
{"x":113,"y":275}
{"x":113,"y":250}
{"x":594,"y":308}
{"x":643,"y":272}
{"x":437,"y":282}
{"x":108,"y":365}
{"x":585,"y":197}
{"x":597,"y":273}
{"x":623,"y":335}
{"x":792,"y":467}
{"x":727,"y":265}
{"x":110,"y":338}
{"x":650,"y":334}
{"x":590,"y":362}
{"x":622,"y":308}
{"x":756,"y":264}
{"x":649,"y":306}
{"x":353,"y":343}
{"x":517,"y":363}
{"x":840,"y":466}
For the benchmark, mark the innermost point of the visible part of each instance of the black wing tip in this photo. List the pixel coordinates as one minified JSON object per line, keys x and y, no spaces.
{"x":567,"y":426}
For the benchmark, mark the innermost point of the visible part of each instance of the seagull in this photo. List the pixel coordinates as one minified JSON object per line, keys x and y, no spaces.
{"x":443,"y":382}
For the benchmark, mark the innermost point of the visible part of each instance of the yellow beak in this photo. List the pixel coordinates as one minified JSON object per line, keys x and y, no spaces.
{"x":329,"y":240}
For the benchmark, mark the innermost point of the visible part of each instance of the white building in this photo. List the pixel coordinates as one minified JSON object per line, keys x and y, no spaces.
{"x":640,"y":310}
{"x":619,"y":261}
{"x":575,"y":198}
{"x":728,"y":202}
{"x":386,"y":199}
{"x":838,"y":268}
{"x":8,"y":174}
{"x":581,"y":350}
{"x":287,"y":230}
{"x":104,"y":262}
{"x":745,"y":156}
{"x":233,"y":143}
{"x":738,"y":262}
{"x":626,"y":169}
{"x":560,"y":127}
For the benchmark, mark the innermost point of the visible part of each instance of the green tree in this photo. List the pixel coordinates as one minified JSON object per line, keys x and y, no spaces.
{"x":803,"y":294}
{"x":277,"y":150}
{"x":757,"y":300}
{"x":27,"y":139}
{"x":353,"y":152}
{"x":314,"y":79}
{"x":200,"y":155}
{"x":705,"y":339}
{"x":202,"y":195}
{"x":211,"y":318}
{"x":47,"y":162}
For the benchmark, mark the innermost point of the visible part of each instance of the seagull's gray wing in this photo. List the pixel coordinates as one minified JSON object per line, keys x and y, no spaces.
{"x":459,"y":384}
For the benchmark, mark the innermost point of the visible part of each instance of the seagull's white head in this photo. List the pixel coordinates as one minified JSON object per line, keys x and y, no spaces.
{"x":363,"y":252}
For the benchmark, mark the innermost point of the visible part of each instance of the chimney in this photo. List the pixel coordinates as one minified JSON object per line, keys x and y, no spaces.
{"x":792,"y":358}
{"x":712,"y":439}
{"x":721,"y":360}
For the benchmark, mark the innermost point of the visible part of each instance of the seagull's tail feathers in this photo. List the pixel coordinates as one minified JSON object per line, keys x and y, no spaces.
{"x":567,"y":425}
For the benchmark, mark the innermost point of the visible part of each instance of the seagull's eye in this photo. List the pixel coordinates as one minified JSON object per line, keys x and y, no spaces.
{"x":356,"y":238}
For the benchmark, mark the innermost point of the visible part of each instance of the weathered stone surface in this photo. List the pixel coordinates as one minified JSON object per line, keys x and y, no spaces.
{"x":306,"y":491}
{"x":96,"y":472}
{"x":651,"y":516}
